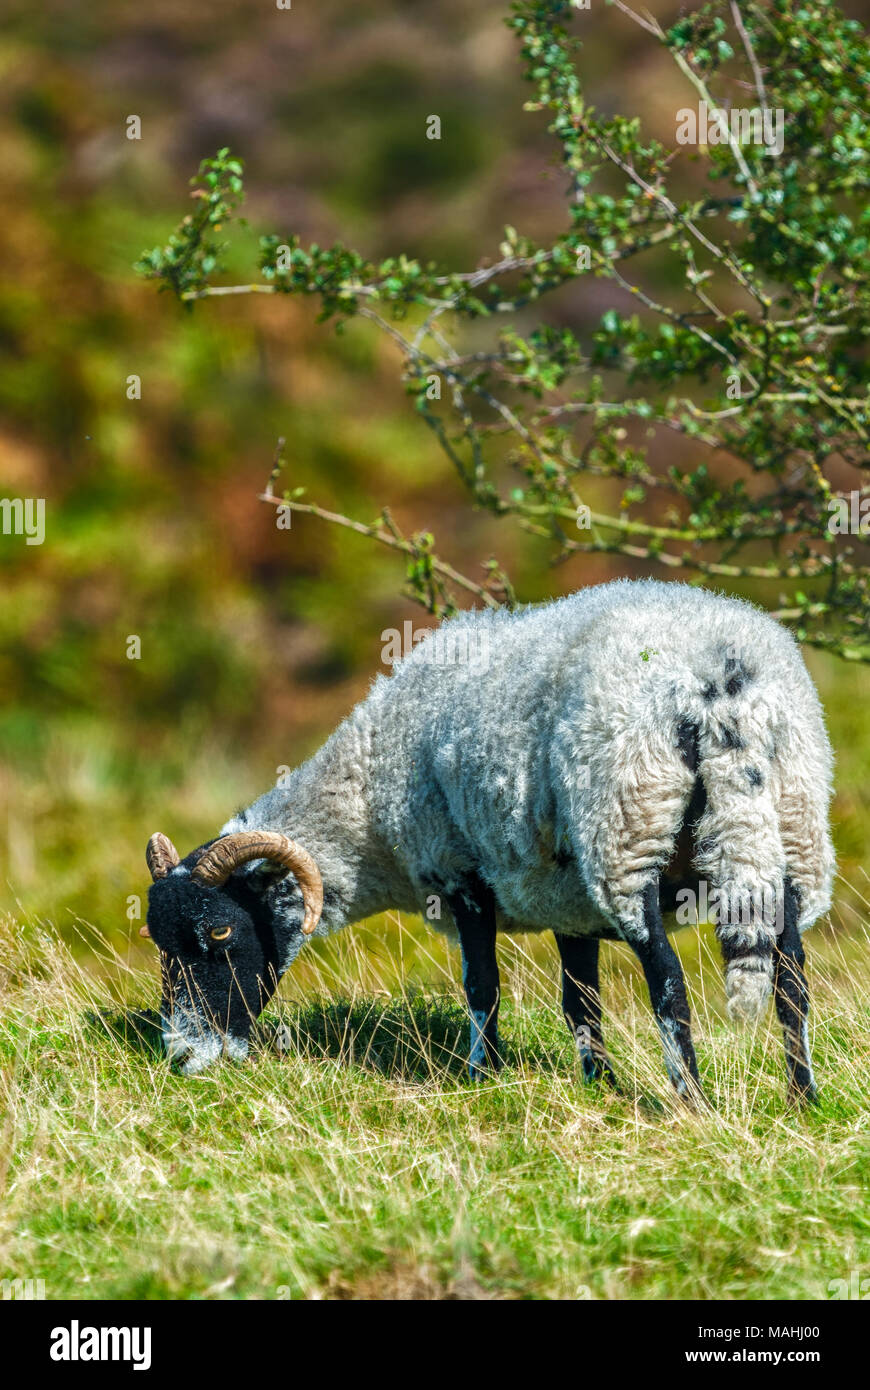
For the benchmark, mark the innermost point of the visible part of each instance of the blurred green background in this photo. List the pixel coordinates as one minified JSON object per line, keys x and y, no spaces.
{"x":254,"y":641}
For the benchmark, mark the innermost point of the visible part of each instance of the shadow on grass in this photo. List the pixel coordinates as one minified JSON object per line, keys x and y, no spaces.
{"x":413,"y":1038}
{"x":425,"y":1039}
{"x":138,"y":1029}
{"x":418,"y":1039}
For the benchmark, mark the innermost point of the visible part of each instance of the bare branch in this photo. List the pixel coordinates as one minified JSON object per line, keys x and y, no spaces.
{"x":750,"y":53}
{"x":387,"y":535}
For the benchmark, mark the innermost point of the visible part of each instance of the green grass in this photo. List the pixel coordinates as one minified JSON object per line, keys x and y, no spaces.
{"x":349,"y":1157}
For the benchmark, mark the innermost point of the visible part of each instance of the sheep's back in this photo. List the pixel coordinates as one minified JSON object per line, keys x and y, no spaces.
{"x":503,"y":739}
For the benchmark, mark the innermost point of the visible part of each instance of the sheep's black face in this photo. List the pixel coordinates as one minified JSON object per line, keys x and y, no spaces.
{"x":218,"y":965}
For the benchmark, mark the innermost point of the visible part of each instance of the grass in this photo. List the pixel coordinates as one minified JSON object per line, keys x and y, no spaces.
{"x":349,"y":1157}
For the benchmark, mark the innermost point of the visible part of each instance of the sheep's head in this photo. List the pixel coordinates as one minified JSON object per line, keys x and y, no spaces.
{"x":219,"y":955}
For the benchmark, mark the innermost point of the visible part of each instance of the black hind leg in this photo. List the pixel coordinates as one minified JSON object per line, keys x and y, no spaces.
{"x":667,"y":992}
{"x":793,"y":1002}
{"x":581,"y":1004}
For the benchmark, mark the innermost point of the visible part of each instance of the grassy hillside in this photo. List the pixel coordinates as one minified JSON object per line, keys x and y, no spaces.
{"x":350,"y":1159}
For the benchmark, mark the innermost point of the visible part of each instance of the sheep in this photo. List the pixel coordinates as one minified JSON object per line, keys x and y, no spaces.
{"x":582,"y":766}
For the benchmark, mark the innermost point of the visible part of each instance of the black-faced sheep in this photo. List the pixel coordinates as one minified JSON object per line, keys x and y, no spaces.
{"x":578,"y":767}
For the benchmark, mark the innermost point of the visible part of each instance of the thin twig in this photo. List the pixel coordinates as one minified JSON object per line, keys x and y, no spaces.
{"x":388,"y":537}
{"x":750,"y":53}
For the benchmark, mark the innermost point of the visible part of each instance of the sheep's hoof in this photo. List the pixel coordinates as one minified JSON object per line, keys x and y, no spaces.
{"x":482,"y":1071}
{"x":597,"y":1073}
{"x":479,"y":1076}
{"x":802,"y":1097}
{"x":694,"y":1097}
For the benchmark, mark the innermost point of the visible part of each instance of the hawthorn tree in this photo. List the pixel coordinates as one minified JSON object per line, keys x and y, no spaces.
{"x":758,"y":357}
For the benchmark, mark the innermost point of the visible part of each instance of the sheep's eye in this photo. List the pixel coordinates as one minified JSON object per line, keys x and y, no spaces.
{"x":220,"y":933}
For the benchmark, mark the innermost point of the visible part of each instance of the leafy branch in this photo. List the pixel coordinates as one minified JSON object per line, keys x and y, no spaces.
{"x":756,"y":359}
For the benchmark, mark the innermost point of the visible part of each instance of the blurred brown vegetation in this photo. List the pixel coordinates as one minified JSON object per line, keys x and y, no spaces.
{"x":254,"y":641}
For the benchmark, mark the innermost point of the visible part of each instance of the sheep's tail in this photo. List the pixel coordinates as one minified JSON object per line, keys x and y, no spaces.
{"x":739,"y":850}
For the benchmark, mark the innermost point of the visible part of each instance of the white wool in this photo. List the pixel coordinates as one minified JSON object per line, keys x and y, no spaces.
{"x":542,"y":755}
{"x":748,"y":983}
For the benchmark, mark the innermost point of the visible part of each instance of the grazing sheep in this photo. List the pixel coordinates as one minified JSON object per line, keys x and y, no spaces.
{"x":579,"y":767}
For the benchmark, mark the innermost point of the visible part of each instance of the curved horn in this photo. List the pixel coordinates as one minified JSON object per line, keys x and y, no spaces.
{"x":226,"y":854}
{"x":161,"y":856}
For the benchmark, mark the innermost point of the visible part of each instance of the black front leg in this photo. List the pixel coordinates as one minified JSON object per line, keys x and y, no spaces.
{"x":474,"y":914}
{"x":793,"y":1001}
{"x":667,"y":992}
{"x":581,"y":1003}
